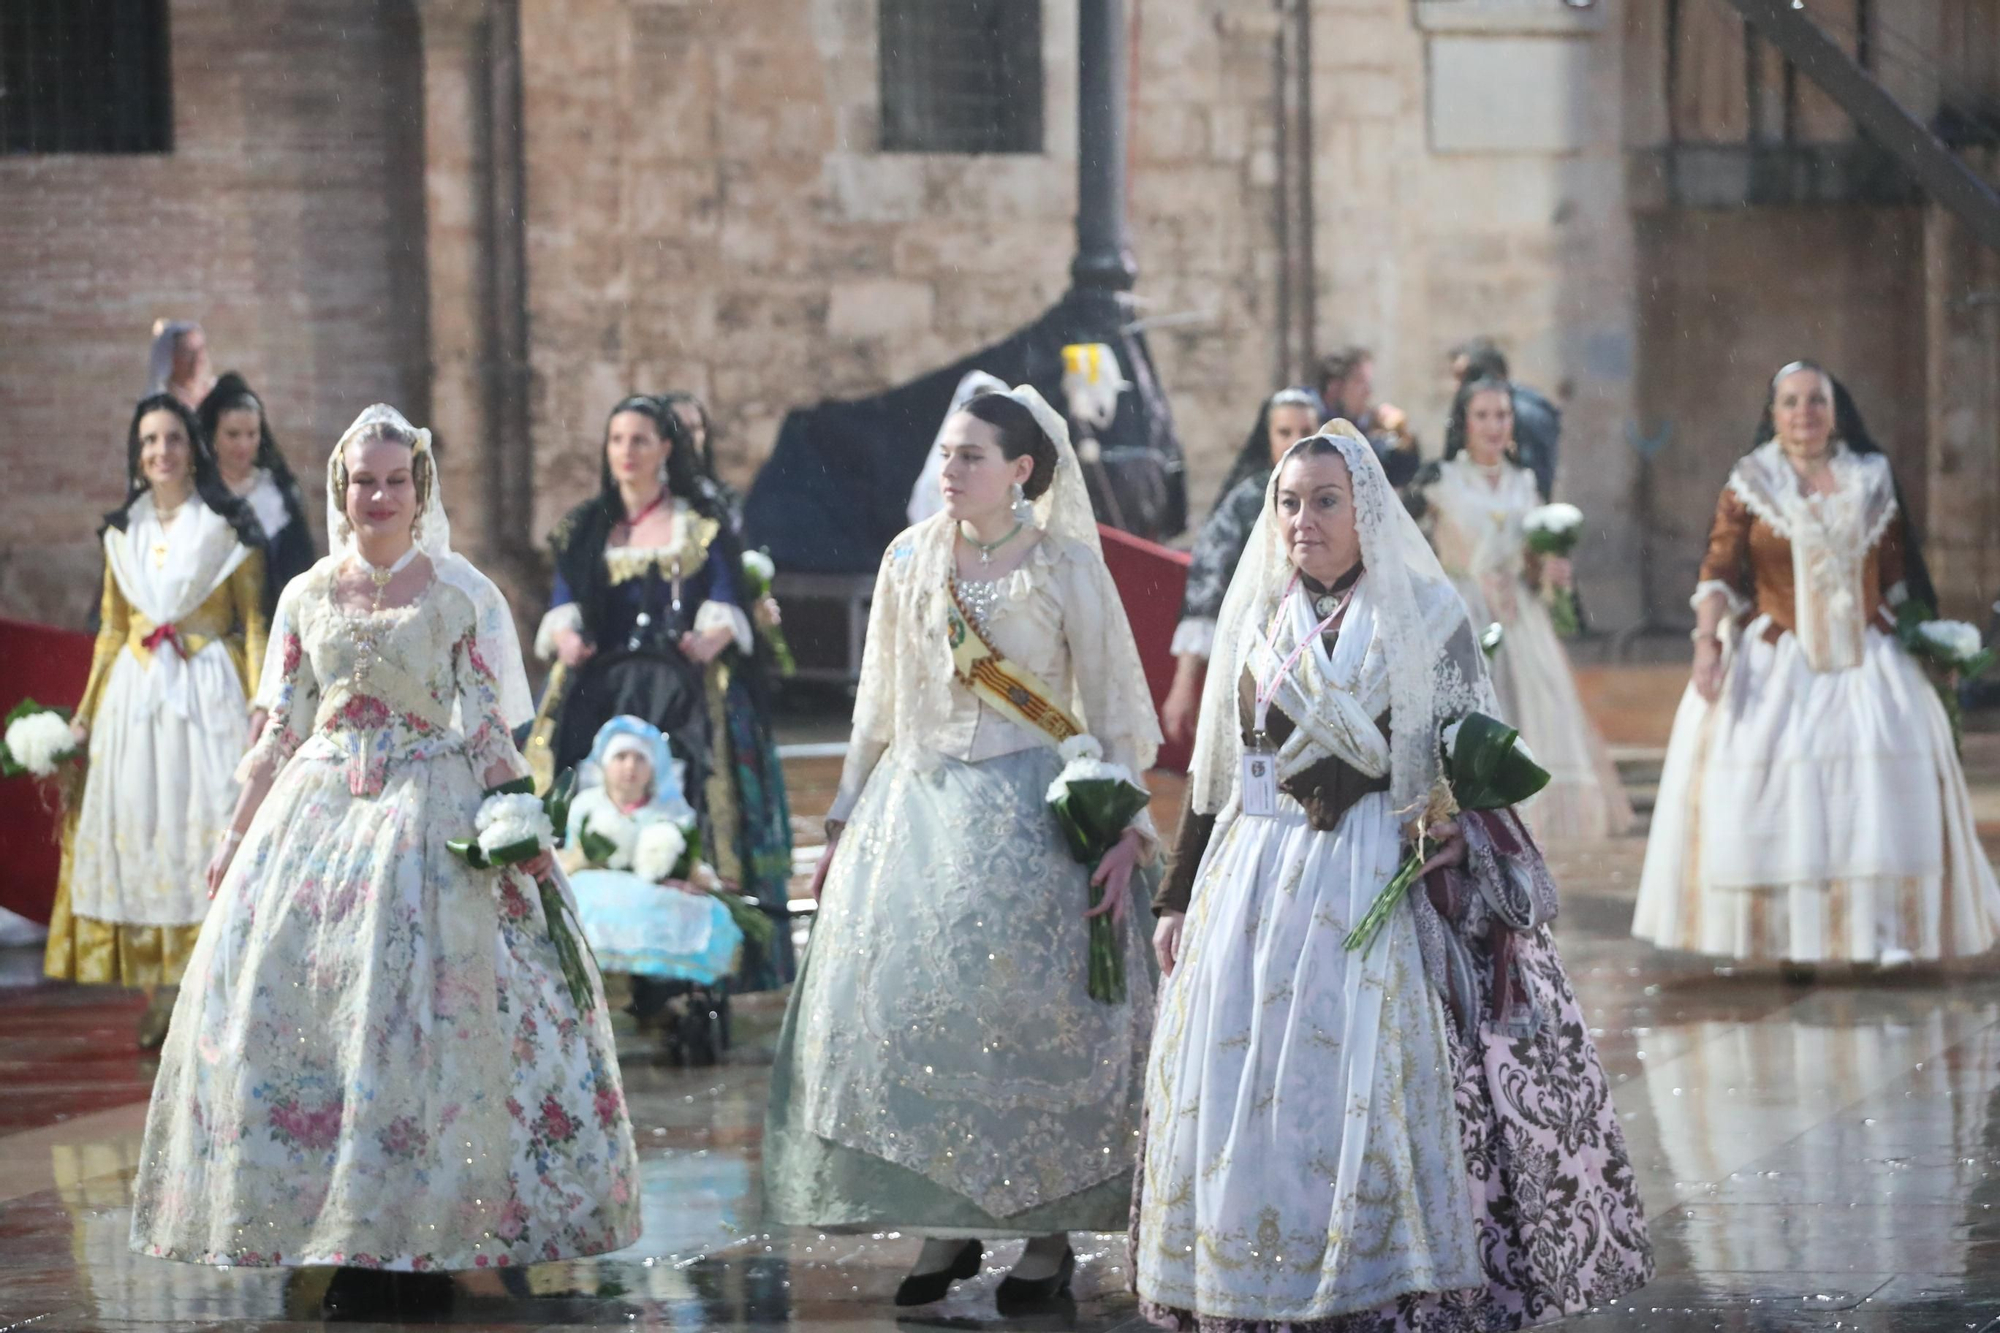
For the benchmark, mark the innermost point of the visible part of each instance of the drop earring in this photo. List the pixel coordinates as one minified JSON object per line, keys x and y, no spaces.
{"x":1024,"y":512}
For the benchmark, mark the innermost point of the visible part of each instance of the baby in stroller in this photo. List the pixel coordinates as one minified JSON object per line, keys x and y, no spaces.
{"x":650,"y":906}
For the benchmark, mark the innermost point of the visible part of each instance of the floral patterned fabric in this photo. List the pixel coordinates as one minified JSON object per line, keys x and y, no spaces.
{"x":374,"y":1061}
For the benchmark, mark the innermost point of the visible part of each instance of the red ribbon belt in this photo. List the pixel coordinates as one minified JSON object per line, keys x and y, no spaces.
{"x":170,"y":634}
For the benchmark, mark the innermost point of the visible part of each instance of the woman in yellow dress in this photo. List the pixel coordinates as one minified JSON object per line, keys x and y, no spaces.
{"x":164,"y":716}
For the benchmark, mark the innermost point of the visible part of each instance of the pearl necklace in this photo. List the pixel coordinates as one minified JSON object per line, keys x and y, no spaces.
{"x":365,"y":630}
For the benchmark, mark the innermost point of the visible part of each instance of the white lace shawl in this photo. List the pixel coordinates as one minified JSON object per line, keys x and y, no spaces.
{"x":1420,"y":642}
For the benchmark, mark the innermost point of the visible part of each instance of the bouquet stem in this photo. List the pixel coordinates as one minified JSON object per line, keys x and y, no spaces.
{"x":569,"y":947}
{"x":1377,"y":916}
{"x":1563,"y":614}
{"x":1107,"y":962}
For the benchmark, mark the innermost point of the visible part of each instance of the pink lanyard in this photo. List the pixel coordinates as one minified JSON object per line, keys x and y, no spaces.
{"x":1266,"y":693}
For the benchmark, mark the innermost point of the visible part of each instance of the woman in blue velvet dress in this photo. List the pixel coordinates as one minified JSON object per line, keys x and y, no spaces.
{"x":649,"y":617}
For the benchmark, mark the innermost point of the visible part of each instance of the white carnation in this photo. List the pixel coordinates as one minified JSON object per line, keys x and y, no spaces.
{"x":621,"y":831}
{"x":760,"y":567}
{"x":1560,"y":519}
{"x":1952,"y":638}
{"x":40,"y":741}
{"x":510,"y":818}
{"x":659,"y":851}
{"x":1083,"y":745}
{"x":1088,"y":770}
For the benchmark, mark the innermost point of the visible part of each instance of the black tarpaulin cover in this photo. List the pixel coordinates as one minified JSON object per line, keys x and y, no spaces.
{"x":836,"y":487}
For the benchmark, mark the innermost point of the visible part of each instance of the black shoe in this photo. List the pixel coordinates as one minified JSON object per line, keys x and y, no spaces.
{"x":424,"y":1296}
{"x":1027,"y":1295}
{"x":924,"y":1288}
{"x":359,"y":1295}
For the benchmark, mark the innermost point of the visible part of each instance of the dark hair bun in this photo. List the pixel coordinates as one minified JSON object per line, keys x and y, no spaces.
{"x":1020,"y":434}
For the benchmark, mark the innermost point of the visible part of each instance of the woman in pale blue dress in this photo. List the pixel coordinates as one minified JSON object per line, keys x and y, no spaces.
{"x":943,"y":1070}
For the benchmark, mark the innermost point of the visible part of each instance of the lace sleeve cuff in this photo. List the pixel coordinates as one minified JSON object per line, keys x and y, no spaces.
{"x":273,"y":749}
{"x":1734,"y":600}
{"x":862,"y":757}
{"x":1194,"y":637}
{"x":489,"y":745}
{"x":721,"y":615}
{"x":568,"y":616}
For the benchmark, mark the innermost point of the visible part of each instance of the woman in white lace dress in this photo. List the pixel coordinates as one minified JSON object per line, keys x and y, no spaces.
{"x":1416,"y":1137}
{"x":942,"y":1068}
{"x":375,"y":1063}
{"x":1472,"y":506}
{"x":1812,"y":807}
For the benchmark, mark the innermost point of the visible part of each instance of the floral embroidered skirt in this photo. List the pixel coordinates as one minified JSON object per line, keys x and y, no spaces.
{"x":374,"y":1060}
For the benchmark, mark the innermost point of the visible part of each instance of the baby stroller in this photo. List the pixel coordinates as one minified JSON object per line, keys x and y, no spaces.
{"x":691,"y":1017}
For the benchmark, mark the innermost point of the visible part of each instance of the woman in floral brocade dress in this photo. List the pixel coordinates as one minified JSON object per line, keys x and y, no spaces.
{"x":375,"y":1063}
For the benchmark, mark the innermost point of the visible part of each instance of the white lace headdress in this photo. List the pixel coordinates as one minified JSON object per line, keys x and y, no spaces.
{"x":922,"y":663}
{"x":1436,"y":670}
{"x":498,"y":644}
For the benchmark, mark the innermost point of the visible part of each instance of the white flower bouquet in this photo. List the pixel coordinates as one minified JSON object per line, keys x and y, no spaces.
{"x":759,"y":572}
{"x":38,"y":740}
{"x":1094,"y":801}
{"x":670,"y":853}
{"x":514,"y":825}
{"x":666,"y":851}
{"x":1555,"y":529}
{"x":1951,"y":649}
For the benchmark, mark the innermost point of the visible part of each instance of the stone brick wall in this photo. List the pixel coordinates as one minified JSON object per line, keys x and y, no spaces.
{"x":705,"y":208}
{"x":281,"y":221}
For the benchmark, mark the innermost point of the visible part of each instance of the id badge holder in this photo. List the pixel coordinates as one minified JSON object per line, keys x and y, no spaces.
{"x":1260,"y":782}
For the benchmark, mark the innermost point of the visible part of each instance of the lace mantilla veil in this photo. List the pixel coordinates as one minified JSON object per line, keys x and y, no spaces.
{"x":918,"y":570}
{"x":497,"y":643}
{"x":1435,"y":667}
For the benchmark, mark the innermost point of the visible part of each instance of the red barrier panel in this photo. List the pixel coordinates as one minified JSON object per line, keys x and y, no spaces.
{"x":1151,"y":580}
{"x":50,"y":667}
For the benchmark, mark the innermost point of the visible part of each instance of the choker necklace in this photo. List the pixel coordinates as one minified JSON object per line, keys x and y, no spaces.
{"x":633,"y":521}
{"x":986,"y":549}
{"x":379,"y":576}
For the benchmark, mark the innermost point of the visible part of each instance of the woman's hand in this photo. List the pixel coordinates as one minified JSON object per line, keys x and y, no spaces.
{"x":218,"y":864}
{"x":1708,"y":668}
{"x":1450,"y":839}
{"x":705,"y":647}
{"x":572,"y":649}
{"x":1178,"y":713}
{"x":539,"y":866}
{"x":1182,"y":708}
{"x":1167,"y":940}
{"x":833,"y":832}
{"x":79,"y":731}
{"x":768,"y":614}
{"x":1557,"y":571}
{"x":1114,"y":875}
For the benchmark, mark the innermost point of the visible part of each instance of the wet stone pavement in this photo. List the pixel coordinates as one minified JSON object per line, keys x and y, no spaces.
{"x":1814,"y":1154}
